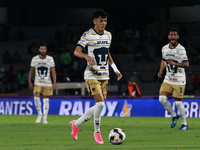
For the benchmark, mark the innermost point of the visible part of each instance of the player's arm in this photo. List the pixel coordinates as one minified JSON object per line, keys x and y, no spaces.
{"x":31,"y":73}
{"x":184,"y":64}
{"x":162,"y":67}
{"x":112,"y":64}
{"x":78,"y":53}
{"x":53,"y":73}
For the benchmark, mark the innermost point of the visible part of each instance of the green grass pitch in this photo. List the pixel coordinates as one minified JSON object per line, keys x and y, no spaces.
{"x":20,"y":132}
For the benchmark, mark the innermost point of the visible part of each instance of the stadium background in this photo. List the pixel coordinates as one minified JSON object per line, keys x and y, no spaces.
{"x":139,"y":30}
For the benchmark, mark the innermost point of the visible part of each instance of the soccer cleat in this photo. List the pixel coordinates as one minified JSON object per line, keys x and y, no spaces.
{"x":74,"y":130}
{"x":45,"y":121}
{"x":98,"y":138}
{"x":183,"y":127}
{"x":38,"y":119}
{"x":174,"y":121}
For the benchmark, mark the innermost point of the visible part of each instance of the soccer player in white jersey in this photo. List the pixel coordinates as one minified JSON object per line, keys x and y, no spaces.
{"x":43,"y":66}
{"x":174,"y":60}
{"x":96,"y":74}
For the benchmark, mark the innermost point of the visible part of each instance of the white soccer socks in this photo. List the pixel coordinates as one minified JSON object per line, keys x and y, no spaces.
{"x":167,"y":105}
{"x":38,"y":108}
{"x":38,"y":105}
{"x":86,"y":116}
{"x":97,"y":116}
{"x":181,"y":110}
{"x":94,"y":111}
{"x":45,"y":109}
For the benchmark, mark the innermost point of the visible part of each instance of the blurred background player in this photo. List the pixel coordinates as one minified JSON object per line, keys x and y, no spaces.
{"x":96,"y":74}
{"x":174,"y":60}
{"x":43,"y":66}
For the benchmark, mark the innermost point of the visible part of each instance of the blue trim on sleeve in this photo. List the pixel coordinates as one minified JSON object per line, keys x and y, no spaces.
{"x":81,"y":46}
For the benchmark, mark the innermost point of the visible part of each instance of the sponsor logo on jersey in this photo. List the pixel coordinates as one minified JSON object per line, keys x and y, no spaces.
{"x":102,"y":42}
{"x":171,"y":55}
{"x":42,"y":63}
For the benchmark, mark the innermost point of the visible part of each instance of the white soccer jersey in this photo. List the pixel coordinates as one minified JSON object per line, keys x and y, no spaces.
{"x":175,"y":75}
{"x":42,"y":70}
{"x":97,"y":48}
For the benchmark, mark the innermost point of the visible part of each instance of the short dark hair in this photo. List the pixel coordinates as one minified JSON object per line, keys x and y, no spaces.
{"x":174,"y":30}
{"x":43,"y":44}
{"x":100,"y":13}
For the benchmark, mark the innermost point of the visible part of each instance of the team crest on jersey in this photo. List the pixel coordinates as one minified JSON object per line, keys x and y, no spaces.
{"x":93,"y":89}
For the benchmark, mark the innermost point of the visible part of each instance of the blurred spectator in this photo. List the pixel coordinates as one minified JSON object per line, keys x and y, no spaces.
{"x":7,"y":57}
{"x":33,"y":48}
{"x":19,"y":35}
{"x":22,"y":80}
{"x":16,"y":57}
{"x":135,"y":77}
{"x":132,"y":90}
{"x":66,"y":59}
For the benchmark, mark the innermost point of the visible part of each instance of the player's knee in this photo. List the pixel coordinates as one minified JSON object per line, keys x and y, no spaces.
{"x":37,"y":101}
{"x":178,"y":103}
{"x":46,"y":101}
{"x":100,"y":104}
{"x":162,"y":99}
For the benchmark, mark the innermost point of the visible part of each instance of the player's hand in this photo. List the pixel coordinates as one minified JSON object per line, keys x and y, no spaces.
{"x":170,"y":62}
{"x":54,"y":86}
{"x":160,"y":74}
{"x":90,"y":60}
{"x":31,"y":85}
{"x":119,"y":76}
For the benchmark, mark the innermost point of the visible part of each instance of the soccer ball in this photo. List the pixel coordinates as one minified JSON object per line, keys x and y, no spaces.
{"x":116,"y":136}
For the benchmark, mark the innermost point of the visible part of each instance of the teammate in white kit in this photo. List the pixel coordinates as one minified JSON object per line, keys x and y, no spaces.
{"x":97,"y":42}
{"x":174,"y":60}
{"x":43,"y":66}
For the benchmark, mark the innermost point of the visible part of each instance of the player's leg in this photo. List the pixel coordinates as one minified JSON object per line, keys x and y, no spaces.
{"x":75,"y":124}
{"x":99,"y":104}
{"x":36,"y":93}
{"x":181,"y":110}
{"x":99,"y":101}
{"x":47,"y":91}
{"x":165,"y":91}
{"x":178,"y":94}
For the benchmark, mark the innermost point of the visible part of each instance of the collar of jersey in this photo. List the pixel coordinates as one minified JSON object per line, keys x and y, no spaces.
{"x":174,"y":47}
{"x":42,"y":58}
{"x":97,"y":32}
